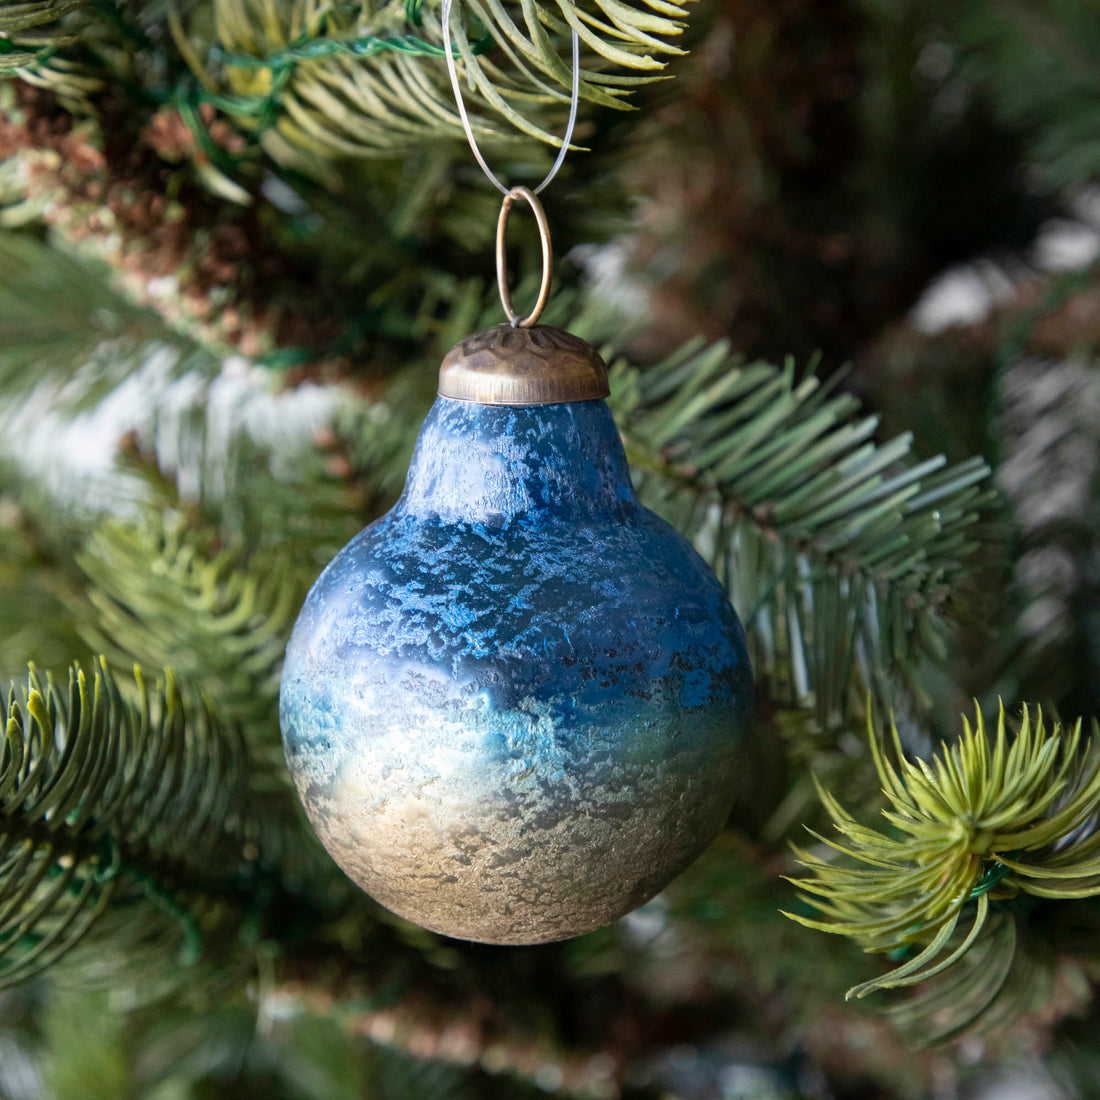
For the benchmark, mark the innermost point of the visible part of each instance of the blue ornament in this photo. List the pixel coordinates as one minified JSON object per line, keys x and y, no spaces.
{"x":515,"y":706}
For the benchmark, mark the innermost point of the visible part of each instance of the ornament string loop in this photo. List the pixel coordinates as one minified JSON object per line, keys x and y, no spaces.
{"x":574,"y":100}
{"x":510,"y":197}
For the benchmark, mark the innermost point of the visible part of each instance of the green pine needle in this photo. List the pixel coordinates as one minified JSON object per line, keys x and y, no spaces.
{"x":332,"y":84}
{"x":121,"y":799}
{"x":333,"y":81}
{"x":23,"y":17}
{"x":170,"y":596}
{"x":830,"y":544}
{"x":984,"y":820}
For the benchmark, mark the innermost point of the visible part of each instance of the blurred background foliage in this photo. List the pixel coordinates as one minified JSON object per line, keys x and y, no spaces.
{"x":838,"y":238}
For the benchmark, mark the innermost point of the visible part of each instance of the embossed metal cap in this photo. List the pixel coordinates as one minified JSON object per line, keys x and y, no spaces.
{"x":523,"y":366}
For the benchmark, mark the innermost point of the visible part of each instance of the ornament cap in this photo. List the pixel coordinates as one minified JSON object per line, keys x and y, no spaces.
{"x":507,"y":365}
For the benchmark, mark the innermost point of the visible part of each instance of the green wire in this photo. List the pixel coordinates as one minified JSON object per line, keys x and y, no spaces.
{"x":191,"y":948}
{"x":41,"y":56}
{"x":988,"y":881}
{"x":282,"y":65}
{"x":313,"y":48}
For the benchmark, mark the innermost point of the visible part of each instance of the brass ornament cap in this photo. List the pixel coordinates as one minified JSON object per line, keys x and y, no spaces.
{"x":507,"y":365}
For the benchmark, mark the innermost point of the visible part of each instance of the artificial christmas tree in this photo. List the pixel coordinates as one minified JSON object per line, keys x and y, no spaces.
{"x":237,"y":239}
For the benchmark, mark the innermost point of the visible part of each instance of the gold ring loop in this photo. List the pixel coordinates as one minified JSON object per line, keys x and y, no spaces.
{"x":502,"y":264}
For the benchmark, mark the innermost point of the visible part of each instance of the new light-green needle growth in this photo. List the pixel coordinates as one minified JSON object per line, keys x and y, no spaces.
{"x":985,"y":819}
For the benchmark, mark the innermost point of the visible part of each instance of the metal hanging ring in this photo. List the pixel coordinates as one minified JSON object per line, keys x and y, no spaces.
{"x":510,"y":198}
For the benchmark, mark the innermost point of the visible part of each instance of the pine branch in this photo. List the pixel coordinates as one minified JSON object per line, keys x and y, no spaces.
{"x":1039,"y":62}
{"x":18,"y":17}
{"x":1048,"y":473}
{"x":1001,"y":979}
{"x":192,"y":437}
{"x":108,"y":803}
{"x":1016,"y":380}
{"x":36,"y":601}
{"x":211,"y":271}
{"x":297,"y":292}
{"x":44,"y":43}
{"x":326,"y":82}
{"x":57,"y":314}
{"x":334,"y":85}
{"x":986,"y":820}
{"x":94,"y":1052}
{"x":837,"y":552}
{"x":164,"y":594}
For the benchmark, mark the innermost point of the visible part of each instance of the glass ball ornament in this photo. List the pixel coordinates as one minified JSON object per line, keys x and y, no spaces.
{"x":516,"y":705}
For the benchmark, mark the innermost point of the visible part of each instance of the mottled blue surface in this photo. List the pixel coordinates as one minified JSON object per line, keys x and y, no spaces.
{"x":514,"y":706}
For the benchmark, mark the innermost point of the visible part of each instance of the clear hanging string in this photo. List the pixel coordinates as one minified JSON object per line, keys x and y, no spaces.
{"x":448,"y":53}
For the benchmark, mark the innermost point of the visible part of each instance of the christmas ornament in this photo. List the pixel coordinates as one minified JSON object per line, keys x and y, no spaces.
{"x":514,"y":706}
